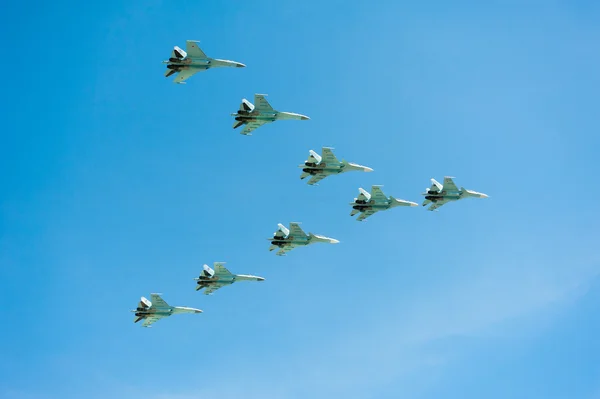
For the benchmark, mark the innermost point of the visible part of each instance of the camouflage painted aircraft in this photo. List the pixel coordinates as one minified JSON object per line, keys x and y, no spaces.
{"x":286,"y":240}
{"x":320,"y":166}
{"x":257,"y":114}
{"x":440,"y":194}
{"x":368,"y":204}
{"x":192,"y":61}
{"x":153,"y":311}
{"x":212,"y":280}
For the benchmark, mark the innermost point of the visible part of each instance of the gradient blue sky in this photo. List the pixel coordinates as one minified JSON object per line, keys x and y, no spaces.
{"x":115,"y":183}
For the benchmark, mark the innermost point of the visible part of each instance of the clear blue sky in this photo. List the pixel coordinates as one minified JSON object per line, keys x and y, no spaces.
{"x":115,"y":183}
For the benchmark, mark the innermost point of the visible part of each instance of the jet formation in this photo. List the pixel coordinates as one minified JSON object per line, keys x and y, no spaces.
{"x":317,"y":167}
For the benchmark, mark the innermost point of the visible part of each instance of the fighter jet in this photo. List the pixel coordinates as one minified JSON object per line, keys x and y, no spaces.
{"x":193,"y":61}
{"x":367,"y":204}
{"x":441,"y":194}
{"x":319,"y":167}
{"x":212,"y":280}
{"x":254,"y":116}
{"x":153,"y":311}
{"x":286,"y":240}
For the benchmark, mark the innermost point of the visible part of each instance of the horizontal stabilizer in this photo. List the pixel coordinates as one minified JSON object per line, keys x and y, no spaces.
{"x":237,"y":124}
{"x":138,"y":318}
{"x":170,"y":72}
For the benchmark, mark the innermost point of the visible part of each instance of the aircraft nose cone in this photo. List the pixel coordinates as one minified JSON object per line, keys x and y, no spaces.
{"x":304,"y":118}
{"x":197,"y":311}
{"x":334,"y":241}
{"x":368,"y":169}
{"x":485,"y":196}
{"x":260,"y":279}
{"x":240,"y":65}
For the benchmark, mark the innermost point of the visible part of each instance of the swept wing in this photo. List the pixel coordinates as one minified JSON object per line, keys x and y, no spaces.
{"x":213,"y":287}
{"x":251,"y":126}
{"x":316,"y":178}
{"x":328,"y":156}
{"x":157,"y":301}
{"x":378,"y":195}
{"x":193,"y":50}
{"x":151,"y":319}
{"x":261,"y":104}
{"x":449,"y":185}
{"x":437,"y":204}
{"x":368,"y":212}
{"x":296,"y":230}
{"x":186,"y":73}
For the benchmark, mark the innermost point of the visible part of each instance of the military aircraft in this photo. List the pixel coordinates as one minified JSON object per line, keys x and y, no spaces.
{"x":440,"y":194}
{"x":212,"y":280}
{"x":286,"y":240}
{"x":153,"y":311}
{"x":320,"y":166}
{"x":192,"y":61}
{"x":254,"y":116}
{"x":367,"y":204}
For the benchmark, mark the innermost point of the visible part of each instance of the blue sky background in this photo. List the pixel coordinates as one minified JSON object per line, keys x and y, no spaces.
{"x":115,"y":183}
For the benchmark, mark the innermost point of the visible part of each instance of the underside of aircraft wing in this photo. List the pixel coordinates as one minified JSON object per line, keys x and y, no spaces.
{"x":328,"y":156}
{"x":157,"y":301}
{"x":212,"y":288}
{"x":316,"y":178}
{"x":296,"y":230}
{"x":221,"y":270}
{"x":186,"y":73}
{"x":193,"y":50}
{"x":251,"y":126}
{"x":378,"y":195}
{"x":284,"y":250}
{"x":150,"y":320}
{"x":365,"y":214}
{"x":436,"y":205}
{"x":261,"y":104}
{"x":449,"y":184}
